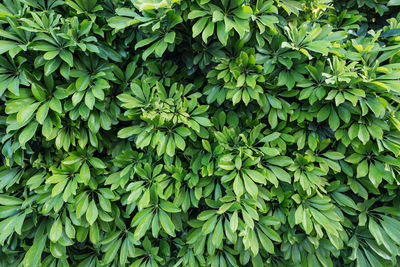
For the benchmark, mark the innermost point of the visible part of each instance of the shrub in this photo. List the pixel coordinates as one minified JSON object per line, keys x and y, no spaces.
{"x":199,"y":133}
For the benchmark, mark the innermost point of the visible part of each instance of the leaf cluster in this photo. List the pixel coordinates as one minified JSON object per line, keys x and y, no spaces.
{"x":199,"y":133}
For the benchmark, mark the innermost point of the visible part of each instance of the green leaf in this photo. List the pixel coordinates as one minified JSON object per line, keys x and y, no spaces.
{"x":270,"y":137}
{"x":6,"y":45}
{"x":222,"y":34}
{"x":92,"y":212}
{"x":26,"y":113}
{"x":51,"y":66}
{"x":256,"y":176}
{"x":55,"y":231}
{"x":146,"y":41}
{"x":208,"y":31}
{"x":344,"y":200}
{"x":28,"y":133}
{"x":89,"y":99}
{"x":170,"y":37}
{"x":82,"y":83}
{"x":243,"y":12}
{"x":394,"y":3}
{"x":362,"y":169}
{"x":199,"y":26}
{"x":121,"y":22}
{"x":6,"y":200}
{"x":234,"y":221}
{"x":218,"y":234}
{"x":238,"y":186}
{"x":69,"y":229}
{"x":323,"y":114}
{"x":224,"y":208}
{"x":160,"y":48}
{"x":143,"y":226}
{"x":85,"y":173}
{"x":50,"y":55}
{"x":334,"y":155}
{"x":129,"y":131}
{"x":206,"y":145}
{"x":375,"y":231}
{"x":55,"y":105}
{"x":179,"y":142}
{"x":67,"y":57}
{"x":111,"y":253}
{"x":334,"y":121}
{"x":58,"y":188}
{"x":97,"y":163}
{"x":206,"y":214}
{"x":42,"y":112}
{"x":363,"y":134}
{"x":209,"y":225}
{"x":319,"y":46}
{"x":196,"y":14}
{"x":265,"y":242}
{"x":166,"y":223}
{"x":34,"y":254}
{"x":169,"y":207}
{"x":250,"y":186}
{"x":170,"y":146}
{"x":145,"y":200}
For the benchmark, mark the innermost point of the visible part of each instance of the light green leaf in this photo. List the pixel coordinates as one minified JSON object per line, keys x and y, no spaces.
{"x":27,"y":133}
{"x":56,"y":230}
{"x":166,"y":223}
{"x":92,"y":212}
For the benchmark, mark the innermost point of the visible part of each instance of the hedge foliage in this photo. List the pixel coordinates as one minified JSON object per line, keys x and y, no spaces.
{"x":199,"y":133}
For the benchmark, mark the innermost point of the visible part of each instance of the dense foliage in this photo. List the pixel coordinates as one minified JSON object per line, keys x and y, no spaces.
{"x":199,"y":133}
